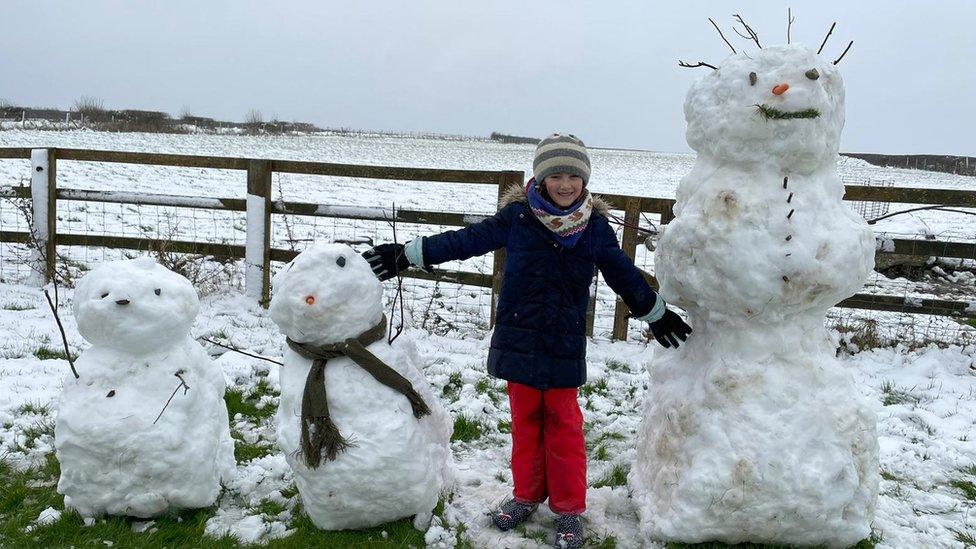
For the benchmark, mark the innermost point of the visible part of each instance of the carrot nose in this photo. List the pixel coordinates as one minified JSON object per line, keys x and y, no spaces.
{"x":780,"y":89}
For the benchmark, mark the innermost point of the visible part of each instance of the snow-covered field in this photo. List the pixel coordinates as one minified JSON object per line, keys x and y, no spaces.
{"x":925,"y":397}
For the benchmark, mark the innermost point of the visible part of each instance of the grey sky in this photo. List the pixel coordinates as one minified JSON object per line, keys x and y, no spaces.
{"x":603,"y":70}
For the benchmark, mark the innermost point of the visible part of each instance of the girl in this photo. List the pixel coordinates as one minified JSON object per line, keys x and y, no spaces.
{"x":554,"y":232}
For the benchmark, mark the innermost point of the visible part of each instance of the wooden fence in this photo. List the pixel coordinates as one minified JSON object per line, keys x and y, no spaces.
{"x":257,"y":252}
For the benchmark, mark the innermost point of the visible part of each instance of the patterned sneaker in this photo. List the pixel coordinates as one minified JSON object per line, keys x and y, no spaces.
{"x":569,"y":532}
{"x":511,"y":514}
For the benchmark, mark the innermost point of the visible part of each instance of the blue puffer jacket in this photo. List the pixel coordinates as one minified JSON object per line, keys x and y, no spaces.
{"x":540,"y":328}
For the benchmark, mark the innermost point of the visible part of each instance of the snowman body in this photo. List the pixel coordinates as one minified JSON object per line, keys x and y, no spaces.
{"x":397,"y":465}
{"x":752,"y":430}
{"x":145,"y":429}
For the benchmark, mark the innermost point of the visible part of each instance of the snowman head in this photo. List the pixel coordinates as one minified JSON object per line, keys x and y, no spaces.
{"x":781,"y":105}
{"x":135,"y":306}
{"x":328,"y":293}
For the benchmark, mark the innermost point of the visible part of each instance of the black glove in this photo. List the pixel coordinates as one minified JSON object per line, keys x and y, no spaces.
{"x":387,"y":260}
{"x":669,"y":329}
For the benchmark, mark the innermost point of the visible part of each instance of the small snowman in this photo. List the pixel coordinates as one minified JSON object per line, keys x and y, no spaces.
{"x":358,"y":422}
{"x":144,"y":430}
{"x":752,"y":430}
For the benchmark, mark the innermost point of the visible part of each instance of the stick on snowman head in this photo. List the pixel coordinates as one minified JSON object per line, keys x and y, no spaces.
{"x":782,"y":106}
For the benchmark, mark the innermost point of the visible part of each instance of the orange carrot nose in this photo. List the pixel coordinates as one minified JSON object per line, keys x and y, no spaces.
{"x":780,"y":89}
{"x":310,"y":300}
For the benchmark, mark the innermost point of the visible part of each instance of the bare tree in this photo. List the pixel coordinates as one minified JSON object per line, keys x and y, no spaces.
{"x":90,"y":107}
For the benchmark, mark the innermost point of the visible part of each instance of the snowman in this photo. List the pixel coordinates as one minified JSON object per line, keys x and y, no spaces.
{"x":358,"y":422}
{"x":144,"y":430}
{"x":753,"y":431}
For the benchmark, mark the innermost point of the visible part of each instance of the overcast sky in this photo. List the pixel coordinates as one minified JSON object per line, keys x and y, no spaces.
{"x":604,"y":70}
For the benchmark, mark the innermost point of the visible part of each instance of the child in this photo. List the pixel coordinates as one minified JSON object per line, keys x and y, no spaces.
{"x":554,"y":232}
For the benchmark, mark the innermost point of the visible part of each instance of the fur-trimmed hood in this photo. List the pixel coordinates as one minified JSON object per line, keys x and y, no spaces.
{"x":516,"y":193}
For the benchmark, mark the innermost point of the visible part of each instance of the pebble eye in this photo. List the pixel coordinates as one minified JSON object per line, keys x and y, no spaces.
{"x":753,"y":78}
{"x":104,"y":295}
{"x":812,"y":74}
{"x":341,"y":261}
{"x":158,"y":291}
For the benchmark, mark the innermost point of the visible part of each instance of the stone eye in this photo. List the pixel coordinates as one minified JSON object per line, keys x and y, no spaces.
{"x":104,"y":295}
{"x":158,"y":291}
{"x":812,"y":74}
{"x":341,"y":261}
{"x":752,"y":78}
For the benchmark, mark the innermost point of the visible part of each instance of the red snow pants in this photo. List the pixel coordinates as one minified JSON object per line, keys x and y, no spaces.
{"x":548,"y":449}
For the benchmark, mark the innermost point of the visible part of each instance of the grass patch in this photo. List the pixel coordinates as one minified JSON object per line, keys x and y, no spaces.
{"x":969,"y":470}
{"x":17,"y":307}
{"x":540,"y":536}
{"x":615,"y":365}
{"x":244,"y":452}
{"x":616,"y":477}
{"x":247,"y":404}
{"x":23,"y":498}
{"x":46,"y":353}
{"x":504,"y":426}
{"x":467,"y":429}
{"x":965,"y":538}
{"x":601,"y":453}
{"x":33,"y":408}
{"x":35,"y":431}
{"x":890,"y":476}
{"x":453,"y":386}
{"x":598,"y":387}
{"x":892,"y":395}
{"x":771,"y":113}
{"x":966,"y":487}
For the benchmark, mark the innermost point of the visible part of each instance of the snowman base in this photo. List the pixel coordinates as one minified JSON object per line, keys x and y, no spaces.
{"x":767,"y":445}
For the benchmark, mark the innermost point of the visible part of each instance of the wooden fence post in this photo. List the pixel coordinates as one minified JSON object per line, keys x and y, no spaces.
{"x":629,"y":246}
{"x":257,"y":250}
{"x":505,"y":180}
{"x":43,"y":214}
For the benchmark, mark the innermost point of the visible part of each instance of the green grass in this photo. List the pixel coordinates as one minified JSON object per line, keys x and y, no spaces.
{"x":247,"y":405}
{"x":467,"y":429}
{"x":887,"y":475}
{"x":33,"y":408}
{"x":892,"y":395}
{"x":598,"y":387}
{"x":17,"y":307}
{"x":771,"y":113}
{"x":504,"y":426}
{"x":969,"y":470}
{"x":615,"y":365}
{"x":967,"y":539}
{"x":616,"y":477}
{"x":453,"y":386}
{"x":23,"y":498}
{"x":244,"y":452}
{"x":47,"y":353}
{"x":966,"y":487}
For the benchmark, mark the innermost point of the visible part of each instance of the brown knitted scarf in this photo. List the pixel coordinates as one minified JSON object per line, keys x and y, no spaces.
{"x":320,"y":436}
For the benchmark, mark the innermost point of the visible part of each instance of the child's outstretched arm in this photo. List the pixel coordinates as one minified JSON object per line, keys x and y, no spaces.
{"x":388,"y":260}
{"x":645,"y":304}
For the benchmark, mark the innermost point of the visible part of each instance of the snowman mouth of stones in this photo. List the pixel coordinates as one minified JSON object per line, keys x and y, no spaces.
{"x":772,"y":113}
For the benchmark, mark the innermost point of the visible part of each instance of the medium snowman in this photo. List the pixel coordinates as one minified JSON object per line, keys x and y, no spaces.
{"x":752,"y":430}
{"x":391,"y":463}
{"x":144,"y":430}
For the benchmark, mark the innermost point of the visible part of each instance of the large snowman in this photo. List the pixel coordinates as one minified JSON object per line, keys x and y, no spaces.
{"x":752,"y":430}
{"x":396,"y":464}
{"x":144,"y":430}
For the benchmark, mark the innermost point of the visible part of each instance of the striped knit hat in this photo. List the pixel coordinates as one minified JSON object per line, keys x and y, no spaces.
{"x":560,"y":153}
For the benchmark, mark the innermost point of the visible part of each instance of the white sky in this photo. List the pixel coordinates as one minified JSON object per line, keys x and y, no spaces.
{"x":604,"y":70}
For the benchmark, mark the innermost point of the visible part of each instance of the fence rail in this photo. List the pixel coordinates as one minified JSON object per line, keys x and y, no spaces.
{"x":257,"y":252}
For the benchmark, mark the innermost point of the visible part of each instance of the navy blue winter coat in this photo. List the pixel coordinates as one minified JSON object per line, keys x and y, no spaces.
{"x":540,"y":327}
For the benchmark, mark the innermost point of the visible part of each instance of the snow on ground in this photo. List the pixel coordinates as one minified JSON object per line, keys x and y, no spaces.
{"x":926,"y":404}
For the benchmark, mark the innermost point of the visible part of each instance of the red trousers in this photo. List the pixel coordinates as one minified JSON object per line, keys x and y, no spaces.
{"x":548,"y":449}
